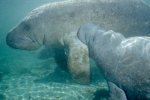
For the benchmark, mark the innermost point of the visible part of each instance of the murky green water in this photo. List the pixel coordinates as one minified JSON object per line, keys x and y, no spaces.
{"x":11,"y":13}
{"x":25,"y":77}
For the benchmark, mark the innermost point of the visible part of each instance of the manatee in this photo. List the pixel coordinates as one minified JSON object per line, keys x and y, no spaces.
{"x":54,"y":25}
{"x":125,"y":62}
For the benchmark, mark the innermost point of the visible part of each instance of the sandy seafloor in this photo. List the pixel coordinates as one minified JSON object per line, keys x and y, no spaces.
{"x":46,"y":81}
{"x":25,"y":77}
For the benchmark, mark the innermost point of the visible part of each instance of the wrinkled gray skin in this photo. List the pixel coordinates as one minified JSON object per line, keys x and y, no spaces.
{"x":130,"y":17}
{"x":125,"y":62}
{"x":48,"y":24}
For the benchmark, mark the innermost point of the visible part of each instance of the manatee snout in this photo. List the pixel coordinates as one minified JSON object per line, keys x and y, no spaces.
{"x":10,"y":40}
{"x":21,"y":41}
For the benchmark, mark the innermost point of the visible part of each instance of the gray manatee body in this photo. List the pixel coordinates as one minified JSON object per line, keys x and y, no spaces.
{"x":125,"y":62}
{"x":130,"y":17}
{"x":51,"y":24}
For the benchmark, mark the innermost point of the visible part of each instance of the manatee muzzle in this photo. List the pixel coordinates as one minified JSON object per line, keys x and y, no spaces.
{"x":18,"y":41}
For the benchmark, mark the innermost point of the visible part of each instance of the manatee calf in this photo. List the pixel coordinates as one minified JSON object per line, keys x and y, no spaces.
{"x":125,"y":62}
{"x":52,"y":26}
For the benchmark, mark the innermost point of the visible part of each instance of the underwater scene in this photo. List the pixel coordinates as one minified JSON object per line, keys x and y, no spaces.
{"x":74,"y":50}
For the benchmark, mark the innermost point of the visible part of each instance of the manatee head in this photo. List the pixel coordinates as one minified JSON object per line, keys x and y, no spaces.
{"x":27,"y":35}
{"x":86,"y":32}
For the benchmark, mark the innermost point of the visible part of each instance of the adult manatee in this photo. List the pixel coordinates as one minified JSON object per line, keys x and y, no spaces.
{"x":51,"y":25}
{"x":125,"y":62}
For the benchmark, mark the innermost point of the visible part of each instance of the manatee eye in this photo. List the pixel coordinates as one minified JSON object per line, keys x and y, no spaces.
{"x":26,"y":27}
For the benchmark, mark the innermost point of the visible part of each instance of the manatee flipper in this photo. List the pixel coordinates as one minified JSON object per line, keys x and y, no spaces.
{"x":78,"y":58}
{"x":115,"y":92}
